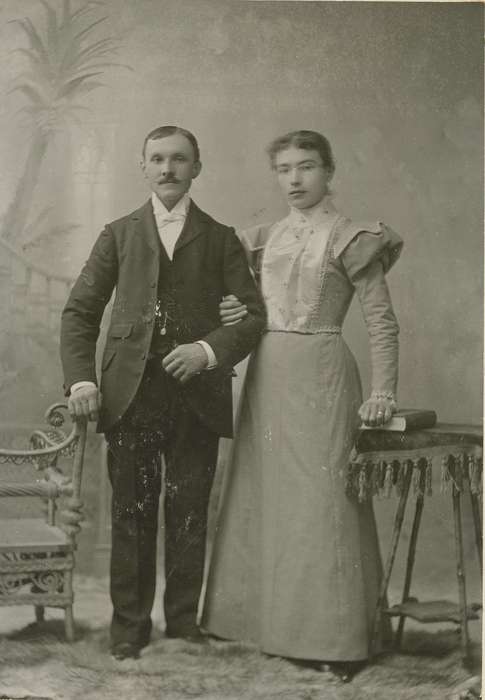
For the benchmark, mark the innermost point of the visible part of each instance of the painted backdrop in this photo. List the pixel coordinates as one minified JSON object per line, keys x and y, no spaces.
{"x":396,"y":87}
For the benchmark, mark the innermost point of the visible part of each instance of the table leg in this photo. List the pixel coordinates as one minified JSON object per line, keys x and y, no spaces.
{"x":396,"y":532}
{"x":477,"y":527}
{"x":412,"y":552}
{"x":460,"y":570}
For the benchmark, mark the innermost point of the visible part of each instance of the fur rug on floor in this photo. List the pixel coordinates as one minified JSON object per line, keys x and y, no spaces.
{"x":36,"y":661}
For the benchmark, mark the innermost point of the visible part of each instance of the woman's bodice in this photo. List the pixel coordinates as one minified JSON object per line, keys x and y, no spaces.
{"x":298,"y":272}
{"x":305,"y":266}
{"x":309,"y":268}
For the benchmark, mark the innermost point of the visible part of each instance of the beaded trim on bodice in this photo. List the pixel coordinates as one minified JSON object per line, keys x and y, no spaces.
{"x":294,"y":277}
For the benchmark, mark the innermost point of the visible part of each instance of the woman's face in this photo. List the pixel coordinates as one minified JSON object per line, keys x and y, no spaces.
{"x":302,"y":176}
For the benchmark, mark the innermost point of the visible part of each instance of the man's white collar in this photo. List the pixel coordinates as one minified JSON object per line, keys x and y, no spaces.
{"x":178,"y":211}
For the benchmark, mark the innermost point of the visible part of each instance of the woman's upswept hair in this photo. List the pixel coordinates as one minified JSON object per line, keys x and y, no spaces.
{"x":161,"y":131}
{"x":308,"y":140}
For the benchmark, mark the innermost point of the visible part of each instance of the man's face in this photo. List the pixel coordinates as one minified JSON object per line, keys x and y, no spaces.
{"x":302,"y":176}
{"x":169,"y":166}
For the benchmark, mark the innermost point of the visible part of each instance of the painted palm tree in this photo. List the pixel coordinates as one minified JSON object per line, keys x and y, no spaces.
{"x":64,"y":57}
{"x":64,"y":61}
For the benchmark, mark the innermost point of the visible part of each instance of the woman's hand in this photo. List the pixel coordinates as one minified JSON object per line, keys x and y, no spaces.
{"x":377,"y":410}
{"x":231,"y":310}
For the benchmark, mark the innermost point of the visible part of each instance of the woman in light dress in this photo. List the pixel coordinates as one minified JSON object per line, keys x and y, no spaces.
{"x":296,"y":566}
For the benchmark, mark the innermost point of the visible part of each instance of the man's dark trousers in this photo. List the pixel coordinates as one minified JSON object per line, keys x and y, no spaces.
{"x":153,"y":426}
{"x":208,"y":263}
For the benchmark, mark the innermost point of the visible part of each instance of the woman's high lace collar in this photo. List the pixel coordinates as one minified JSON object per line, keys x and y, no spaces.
{"x":314,"y":215}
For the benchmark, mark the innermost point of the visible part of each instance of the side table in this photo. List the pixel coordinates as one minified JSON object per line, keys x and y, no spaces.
{"x":385,"y":462}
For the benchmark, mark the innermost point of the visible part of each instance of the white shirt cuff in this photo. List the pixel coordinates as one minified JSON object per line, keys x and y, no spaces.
{"x":211,"y":357}
{"x":80,"y":385}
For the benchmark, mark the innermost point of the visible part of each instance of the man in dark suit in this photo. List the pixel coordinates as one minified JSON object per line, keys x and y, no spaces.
{"x":165,"y":380}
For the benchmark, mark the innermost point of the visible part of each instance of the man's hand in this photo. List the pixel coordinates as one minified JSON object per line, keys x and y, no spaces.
{"x":185,"y":362}
{"x":231,"y":310}
{"x":85,"y":401}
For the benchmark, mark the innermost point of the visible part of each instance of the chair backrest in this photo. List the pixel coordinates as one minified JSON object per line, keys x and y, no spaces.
{"x":44,"y":449}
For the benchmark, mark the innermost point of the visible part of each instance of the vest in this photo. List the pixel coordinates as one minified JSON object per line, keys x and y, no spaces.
{"x":168,"y":327}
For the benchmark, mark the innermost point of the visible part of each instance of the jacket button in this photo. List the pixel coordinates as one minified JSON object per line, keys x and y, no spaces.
{"x":153,"y":285}
{"x":143,"y":357}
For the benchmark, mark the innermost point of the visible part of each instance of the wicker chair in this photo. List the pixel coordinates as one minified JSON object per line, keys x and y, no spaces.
{"x":37,"y":551}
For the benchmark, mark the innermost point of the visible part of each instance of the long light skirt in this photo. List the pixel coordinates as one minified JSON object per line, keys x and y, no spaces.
{"x":295,"y":566}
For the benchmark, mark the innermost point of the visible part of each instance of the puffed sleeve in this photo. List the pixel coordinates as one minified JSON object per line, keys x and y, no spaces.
{"x":361,"y":243}
{"x":254,"y":240}
{"x":367,"y":253}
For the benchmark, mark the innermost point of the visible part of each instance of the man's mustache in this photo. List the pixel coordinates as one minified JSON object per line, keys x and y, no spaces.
{"x":169,"y":180}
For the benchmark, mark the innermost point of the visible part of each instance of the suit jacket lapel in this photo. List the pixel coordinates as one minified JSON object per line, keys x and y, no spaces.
{"x":194,"y":226}
{"x":146,"y":227}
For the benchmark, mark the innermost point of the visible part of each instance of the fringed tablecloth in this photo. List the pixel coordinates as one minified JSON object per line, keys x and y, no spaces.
{"x":381,"y":457}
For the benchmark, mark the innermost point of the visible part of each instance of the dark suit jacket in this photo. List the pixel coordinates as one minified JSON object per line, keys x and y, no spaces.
{"x":208,"y":262}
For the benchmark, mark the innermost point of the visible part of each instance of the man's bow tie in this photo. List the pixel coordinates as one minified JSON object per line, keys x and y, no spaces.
{"x":170,"y":218}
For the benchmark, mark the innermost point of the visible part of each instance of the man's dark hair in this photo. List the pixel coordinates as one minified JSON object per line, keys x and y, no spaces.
{"x":308,"y":140}
{"x":161,"y":131}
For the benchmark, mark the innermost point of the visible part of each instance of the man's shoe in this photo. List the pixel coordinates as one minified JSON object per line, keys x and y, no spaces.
{"x":125,"y":650}
{"x":145,"y":634}
{"x":194,"y":636}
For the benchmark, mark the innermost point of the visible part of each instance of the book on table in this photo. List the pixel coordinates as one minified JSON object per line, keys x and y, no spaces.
{"x":407,"y":419}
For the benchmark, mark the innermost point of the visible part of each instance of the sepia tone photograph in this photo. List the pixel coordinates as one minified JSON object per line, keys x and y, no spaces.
{"x":241,"y":349}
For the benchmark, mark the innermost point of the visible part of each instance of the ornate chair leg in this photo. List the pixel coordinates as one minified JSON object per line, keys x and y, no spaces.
{"x":69,"y":623}
{"x":39,"y":613}
{"x":68,"y":614}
